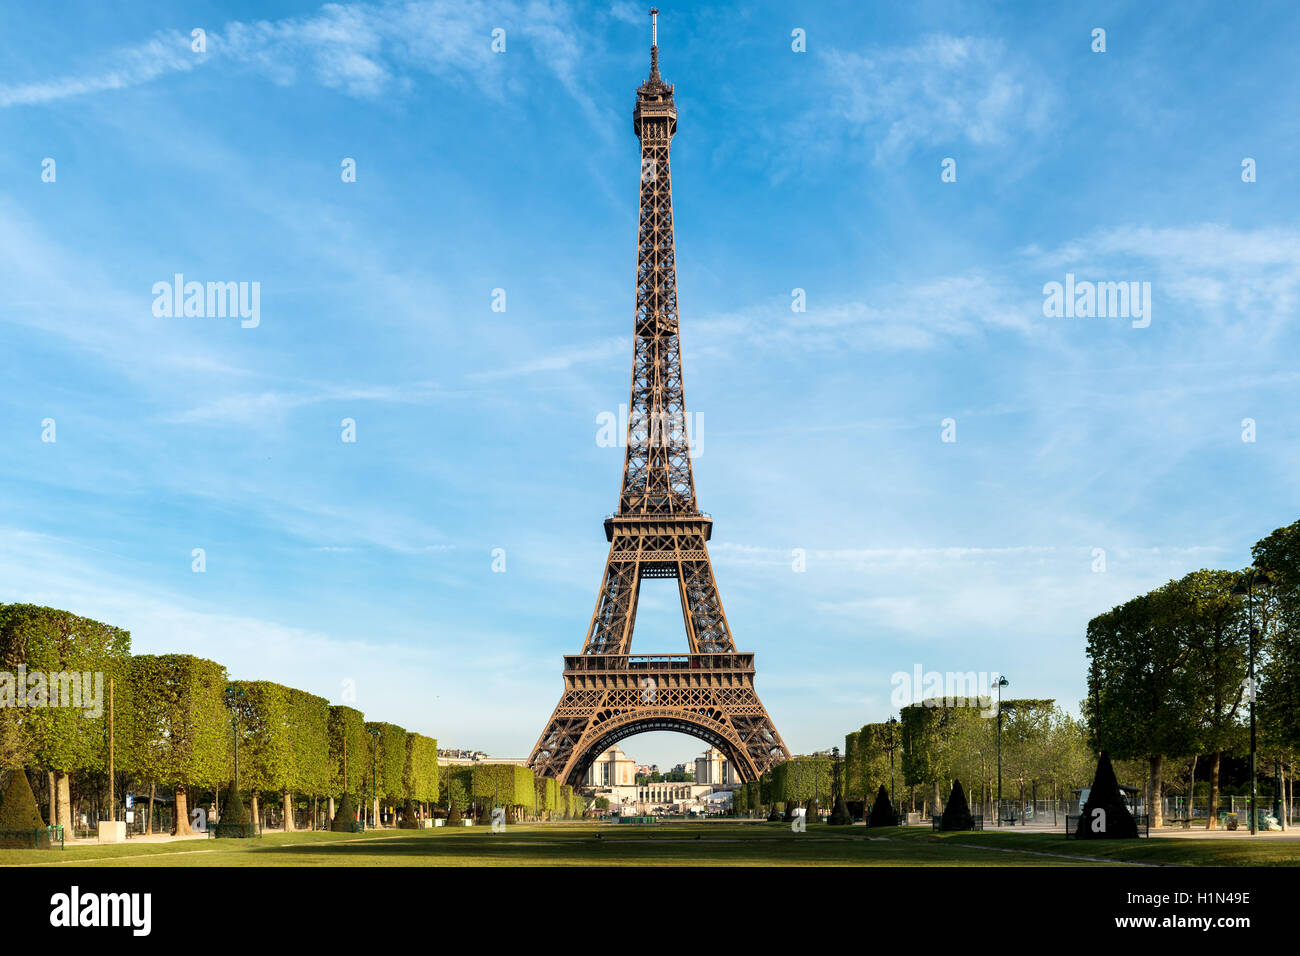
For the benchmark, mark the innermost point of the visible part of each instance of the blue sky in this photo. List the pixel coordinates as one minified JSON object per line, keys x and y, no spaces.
{"x":371,"y":562}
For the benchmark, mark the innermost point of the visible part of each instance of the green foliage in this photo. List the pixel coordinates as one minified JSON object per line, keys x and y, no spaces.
{"x":547,"y":794}
{"x":930,"y":736}
{"x":266,"y":743}
{"x":568,"y":802}
{"x":801,"y":779}
{"x":1140,"y":684}
{"x":457,"y":799}
{"x":740,"y":800}
{"x":349,"y":748}
{"x":502,"y":785}
{"x":421,"y":770}
{"x":177,"y":730}
{"x":18,"y":810}
{"x":387,"y":760}
{"x":86,"y":655}
{"x":867,"y":767}
{"x":1278,"y":701}
{"x":853,"y":781}
{"x":308,"y":717}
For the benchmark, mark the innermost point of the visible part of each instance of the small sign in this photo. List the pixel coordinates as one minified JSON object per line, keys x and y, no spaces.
{"x":130,"y":800}
{"x":130,"y":816}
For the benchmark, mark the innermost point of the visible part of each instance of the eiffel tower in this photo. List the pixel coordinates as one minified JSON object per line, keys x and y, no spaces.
{"x":657,"y":532}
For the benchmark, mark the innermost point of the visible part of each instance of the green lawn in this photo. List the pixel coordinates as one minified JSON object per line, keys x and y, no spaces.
{"x":670,"y":844}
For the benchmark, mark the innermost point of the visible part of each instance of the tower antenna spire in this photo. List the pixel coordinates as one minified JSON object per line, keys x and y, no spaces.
{"x":654,"y":41}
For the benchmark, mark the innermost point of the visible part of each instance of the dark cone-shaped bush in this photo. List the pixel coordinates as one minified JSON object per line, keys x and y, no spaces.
{"x":956,"y":815}
{"x":1114,"y":822}
{"x":409,"y":820}
{"x":882,"y":811}
{"x":840,"y":816}
{"x":454,"y":817}
{"x":774,"y":816}
{"x":232,"y":807}
{"x":345,"y":816}
{"x":18,"y":810}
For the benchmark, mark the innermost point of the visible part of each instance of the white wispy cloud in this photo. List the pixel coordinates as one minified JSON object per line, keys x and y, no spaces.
{"x":1225,"y":274}
{"x":559,"y":361}
{"x":254,"y":408}
{"x":941,"y":90}
{"x":363,"y":49}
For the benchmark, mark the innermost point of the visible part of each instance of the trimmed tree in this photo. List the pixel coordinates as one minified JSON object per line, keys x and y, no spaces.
{"x":457,"y":801}
{"x":345,"y":817}
{"x":86,"y":655}
{"x":232,"y":807}
{"x":349,"y":750}
{"x":956,"y":814}
{"x":177,"y":730}
{"x":1104,"y":816}
{"x":18,"y":810}
{"x":882,"y":811}
{"x":1141,"y":684}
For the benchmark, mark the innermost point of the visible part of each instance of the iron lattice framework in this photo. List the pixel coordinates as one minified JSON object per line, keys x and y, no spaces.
{"x":657,"y":532}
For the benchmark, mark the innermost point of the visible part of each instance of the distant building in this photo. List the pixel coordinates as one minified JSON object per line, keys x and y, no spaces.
{"x":713,"y":768}
{"x":613,"y":768}
{"x":614,"y":775}
{"x":450,"y":757}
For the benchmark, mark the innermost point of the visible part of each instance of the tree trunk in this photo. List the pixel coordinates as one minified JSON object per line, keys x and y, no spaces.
{"x":257,"y":820}
{"x":181,"y":825}
{"x":1212,"y":817}
{"x":153,"y":784}
{"x":1191,"y":790}
{"x":1154,"y":812}
{"x":52,"y":818}
{"x":288,"y":811}
{"x":331,"y":809}
{"x":65,"y":802}
{"x":938,"y":799}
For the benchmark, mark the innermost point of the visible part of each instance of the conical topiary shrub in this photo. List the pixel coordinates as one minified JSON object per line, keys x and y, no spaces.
{"x":345,"y":817}
{"x":840,"y":815}
{"x":956,"y":815}
{"x":18,"y":810}
{"x":774,"y":816}
{"x":453,"y":816}
{"x":232,"y":807}
{"x":882,"y":811}
{"x":1104,"y":816}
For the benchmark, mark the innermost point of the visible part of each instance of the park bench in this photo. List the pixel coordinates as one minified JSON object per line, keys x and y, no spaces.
{"x":977,"y":822}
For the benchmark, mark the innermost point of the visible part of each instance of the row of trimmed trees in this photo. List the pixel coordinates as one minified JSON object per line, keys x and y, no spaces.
{"x":938,"y":741}
{"x":1169,"y":671}
{"x":173,"y":719}
{"x":476,"y":789}
{"x":802,"y":781}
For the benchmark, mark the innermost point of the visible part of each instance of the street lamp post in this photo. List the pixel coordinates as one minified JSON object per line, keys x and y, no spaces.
{"x":374,"y":785}
{"x":1245,"y":586}
{"x":1002,"y":682}
{"x":893,"y":723}
{"x":233,"y":694}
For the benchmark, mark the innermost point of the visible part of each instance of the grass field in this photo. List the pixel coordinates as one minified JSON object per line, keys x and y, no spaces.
{"x":669,"y":844}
